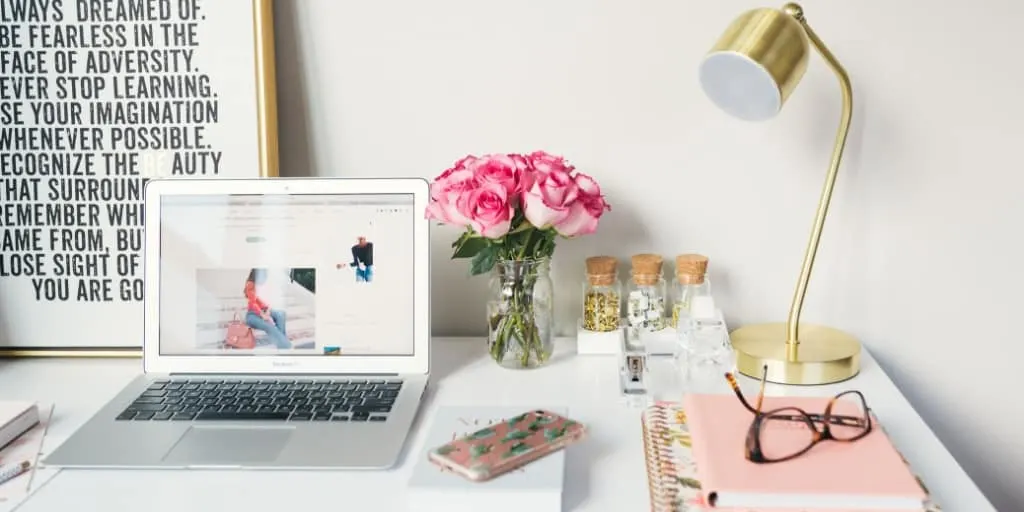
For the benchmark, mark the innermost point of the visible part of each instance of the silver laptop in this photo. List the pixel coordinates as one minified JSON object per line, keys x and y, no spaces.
{"x":286,"y":326}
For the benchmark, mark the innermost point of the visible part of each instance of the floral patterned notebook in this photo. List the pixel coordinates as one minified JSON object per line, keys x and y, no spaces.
{"x":671,"y":471}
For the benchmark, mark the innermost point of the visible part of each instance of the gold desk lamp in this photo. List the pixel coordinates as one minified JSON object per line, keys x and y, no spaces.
{"x":750,"y":73}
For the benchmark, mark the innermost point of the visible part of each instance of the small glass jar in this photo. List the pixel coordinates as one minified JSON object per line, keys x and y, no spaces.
{"x":602,"y":295}
{"x":645,"y":304}
{"x":691,"y":281}
{"x":709,"y":353}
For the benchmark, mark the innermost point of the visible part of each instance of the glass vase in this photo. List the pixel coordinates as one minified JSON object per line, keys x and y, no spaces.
{"x":520,"y":313}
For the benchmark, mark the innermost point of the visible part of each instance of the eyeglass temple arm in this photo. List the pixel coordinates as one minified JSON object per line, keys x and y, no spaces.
{"x":739,"y":394}
{"x":760,"y":393}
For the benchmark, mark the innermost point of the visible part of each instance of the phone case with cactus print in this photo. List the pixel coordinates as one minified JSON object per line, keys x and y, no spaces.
{"x":505,"y":446}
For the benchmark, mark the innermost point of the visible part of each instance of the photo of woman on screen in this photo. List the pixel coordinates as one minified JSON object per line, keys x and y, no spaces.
{"x":362,"y":260}
{"x":260,"y":316}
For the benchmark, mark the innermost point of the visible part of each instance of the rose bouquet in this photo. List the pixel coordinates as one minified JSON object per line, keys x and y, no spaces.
{"x":514,"y":208}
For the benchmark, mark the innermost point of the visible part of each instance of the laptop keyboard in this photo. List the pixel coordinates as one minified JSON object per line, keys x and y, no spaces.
{"x":264,"y":400}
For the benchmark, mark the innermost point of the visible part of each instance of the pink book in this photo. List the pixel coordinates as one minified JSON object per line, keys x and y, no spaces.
{"x":865,"y":475}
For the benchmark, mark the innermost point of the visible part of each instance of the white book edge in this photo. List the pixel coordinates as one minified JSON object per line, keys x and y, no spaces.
{"x":18,"y":424}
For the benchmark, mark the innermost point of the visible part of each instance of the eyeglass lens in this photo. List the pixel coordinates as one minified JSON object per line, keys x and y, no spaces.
{"x":785,"y":433}
{"x":849,"y":416}
{"x":788,"y":432}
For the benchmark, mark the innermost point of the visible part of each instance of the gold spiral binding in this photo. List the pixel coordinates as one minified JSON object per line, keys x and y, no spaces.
{"x":662,"y":478}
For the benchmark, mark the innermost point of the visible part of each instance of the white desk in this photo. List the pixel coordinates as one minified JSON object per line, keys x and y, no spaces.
{"x":605,"y":473}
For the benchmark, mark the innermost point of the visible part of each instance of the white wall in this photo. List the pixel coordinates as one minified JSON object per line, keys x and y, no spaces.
{"x":921,"y":256}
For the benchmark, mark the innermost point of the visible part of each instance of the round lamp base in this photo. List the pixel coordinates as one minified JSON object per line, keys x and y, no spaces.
{"x":823,"y":356}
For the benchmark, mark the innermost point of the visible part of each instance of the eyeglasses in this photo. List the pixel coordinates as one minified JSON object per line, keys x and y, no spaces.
{"x":789,"y":432}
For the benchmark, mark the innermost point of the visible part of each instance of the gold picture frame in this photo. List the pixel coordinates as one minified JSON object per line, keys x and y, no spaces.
{"x":267,"y":143}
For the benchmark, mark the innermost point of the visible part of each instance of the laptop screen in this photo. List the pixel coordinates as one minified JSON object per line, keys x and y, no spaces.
{"x":312,"y":275}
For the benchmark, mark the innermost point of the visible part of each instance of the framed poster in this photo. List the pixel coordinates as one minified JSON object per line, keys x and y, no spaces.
{"x":95,"y":99}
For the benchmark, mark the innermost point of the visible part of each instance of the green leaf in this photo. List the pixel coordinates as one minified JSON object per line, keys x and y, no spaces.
{"x":519,"y":219}
{"x":553,"y":433}
{"x":470,"y":246}
{"x":545,"y":420}
{"x":515,"y":435}
{"x":520,"y":242}
{"x":462,"y":238}
{"x":547,"y":247}
{"x":484,"y":260}
{"x":483,"y":433}
{"x":516,"y":419}
{"x":478,"y":450}
{"x":517,"y":449}
{"x":689,"y":482}
{"x":538,"y":423}
{"x":445,"y":450}
{"x":520,"y":227}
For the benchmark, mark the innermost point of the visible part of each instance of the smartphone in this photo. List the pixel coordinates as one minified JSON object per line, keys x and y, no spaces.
{"x":508,"y":445}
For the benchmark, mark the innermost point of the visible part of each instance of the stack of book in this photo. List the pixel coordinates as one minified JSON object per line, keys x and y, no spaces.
{"x":16,"y":418}
{"x":696,"y":461}
{"x":22,"y":429}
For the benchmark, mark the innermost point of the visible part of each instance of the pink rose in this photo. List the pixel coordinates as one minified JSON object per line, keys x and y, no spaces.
{"x":587,"y":185}
{"x":488,"y":209}
{"x":498,"y":169}
{"x":446,"y":190}
{"x":525,"y":169}
{"x":541,"y":163}
{"x":585,"y":211}
{"x":521,"y":162}
{"x":457,"y":173}
{"x":544,"y":163}
{"x":548,"y":200}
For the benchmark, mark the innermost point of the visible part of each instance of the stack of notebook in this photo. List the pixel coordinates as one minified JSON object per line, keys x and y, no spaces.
{"x":16,"y":418}
{"x":699,"y":454}
{"x":23,"y":428}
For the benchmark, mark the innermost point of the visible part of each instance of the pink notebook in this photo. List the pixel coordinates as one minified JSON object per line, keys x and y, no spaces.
{"x":866,"y":475}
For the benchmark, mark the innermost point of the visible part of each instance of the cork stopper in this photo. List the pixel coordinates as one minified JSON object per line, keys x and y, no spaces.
{"x":646,"y":268}
{"x":601,"y":270}
{"x":691,"y":268}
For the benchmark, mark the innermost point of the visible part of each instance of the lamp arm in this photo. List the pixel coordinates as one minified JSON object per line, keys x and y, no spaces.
{"x":793,"y":324}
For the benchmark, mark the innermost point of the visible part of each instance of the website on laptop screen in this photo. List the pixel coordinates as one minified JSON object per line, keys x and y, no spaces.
{"x":287,"y":275}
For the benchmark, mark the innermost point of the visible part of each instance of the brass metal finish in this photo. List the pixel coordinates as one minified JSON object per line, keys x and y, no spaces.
{"x":84,"y":352}
{"x":824,"y":355}
{"x":266,"y":86}
{"x":830,"y":181}
{"x":794,"y":353}
{"x":266,"y":115}
{"x":774,"y":40}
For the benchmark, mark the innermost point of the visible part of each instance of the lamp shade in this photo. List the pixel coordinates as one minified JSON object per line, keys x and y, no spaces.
{"x":754,"y":67}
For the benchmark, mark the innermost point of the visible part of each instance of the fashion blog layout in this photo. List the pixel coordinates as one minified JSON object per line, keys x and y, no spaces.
{"x":287,"y":275}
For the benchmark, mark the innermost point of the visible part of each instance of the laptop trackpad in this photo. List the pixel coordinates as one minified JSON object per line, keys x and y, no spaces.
{"x":227,"y":446}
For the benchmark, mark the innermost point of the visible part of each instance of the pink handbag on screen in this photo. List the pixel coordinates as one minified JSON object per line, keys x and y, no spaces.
{"x":239,"y":335}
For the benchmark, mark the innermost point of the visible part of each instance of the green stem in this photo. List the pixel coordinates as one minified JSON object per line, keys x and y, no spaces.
{"x":524,"y":358}
{"x":518,"y":319}
{"x":498,"y":346}
{"x":526,"y":244}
